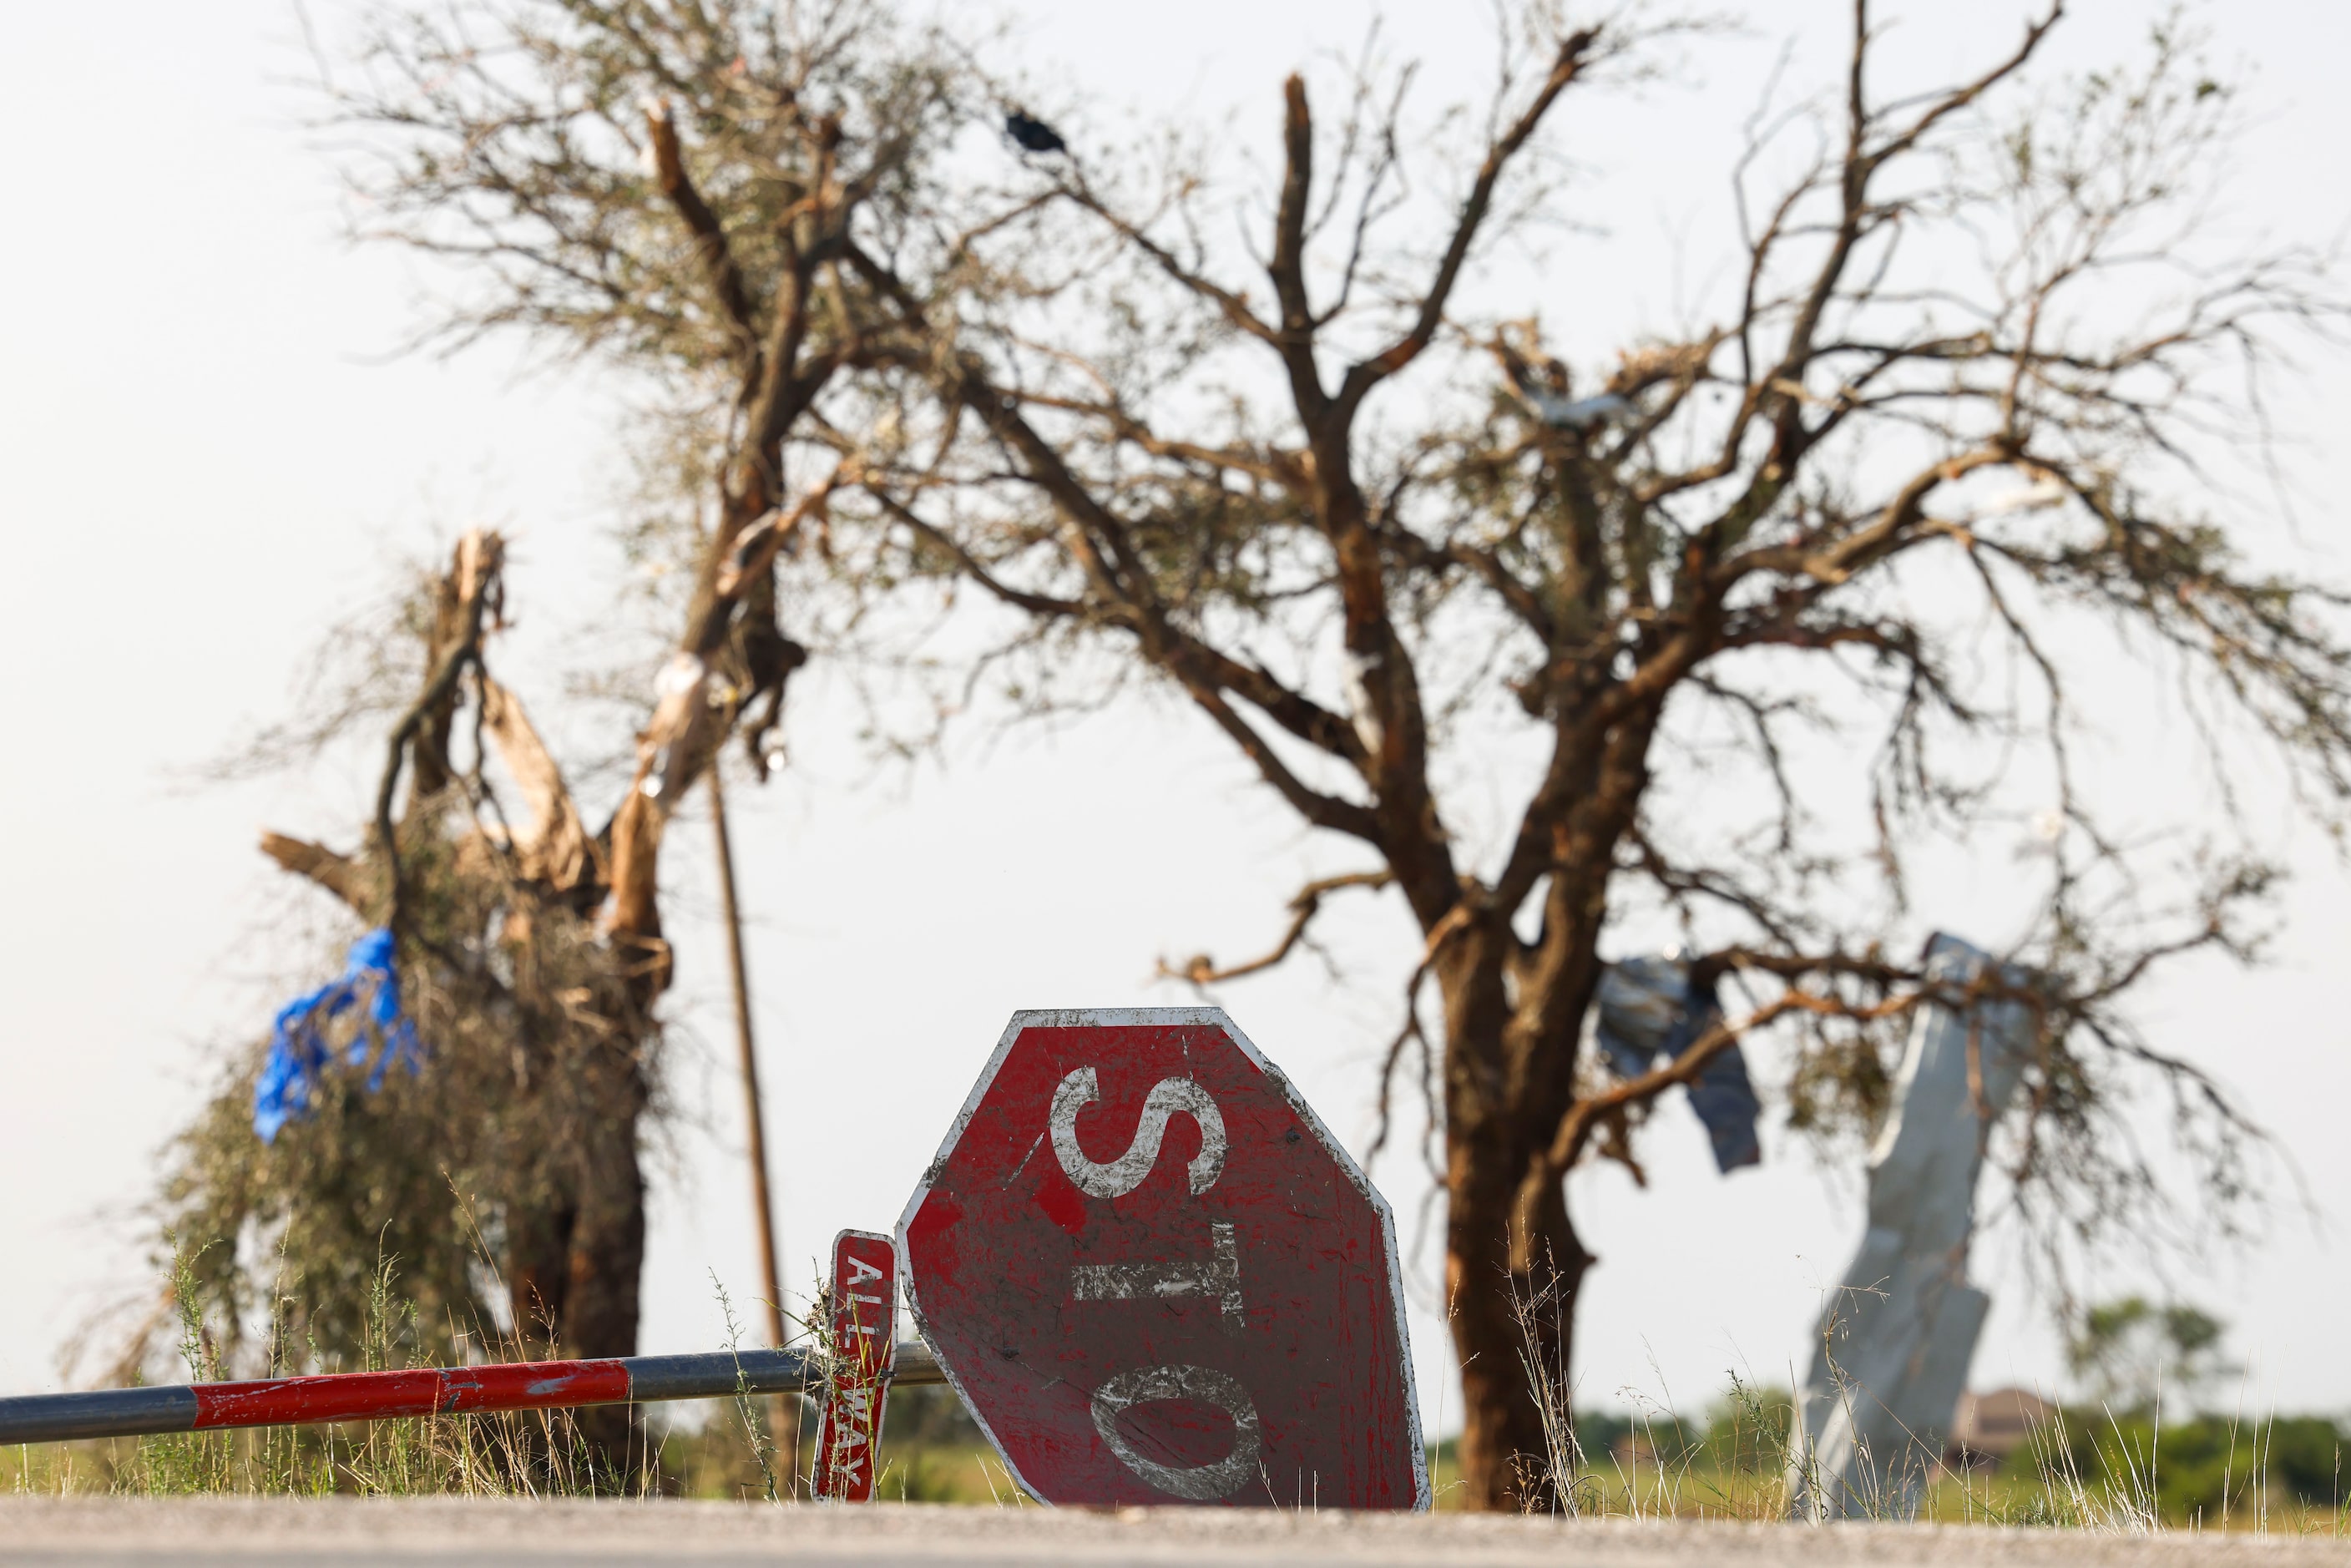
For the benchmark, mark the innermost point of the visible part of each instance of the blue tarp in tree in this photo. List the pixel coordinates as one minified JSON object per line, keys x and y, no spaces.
{"x":298,"y":1044}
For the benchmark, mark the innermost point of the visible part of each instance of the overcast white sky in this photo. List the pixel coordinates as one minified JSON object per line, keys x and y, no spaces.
{"x":208,"y":453}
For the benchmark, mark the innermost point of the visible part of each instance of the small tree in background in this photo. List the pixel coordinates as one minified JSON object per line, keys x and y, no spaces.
{"x":2131,"y":1357}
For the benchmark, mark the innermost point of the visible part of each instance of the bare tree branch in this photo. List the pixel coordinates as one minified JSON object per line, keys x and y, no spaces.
{"x":1201,"y":970}
{"x":340,"y":874}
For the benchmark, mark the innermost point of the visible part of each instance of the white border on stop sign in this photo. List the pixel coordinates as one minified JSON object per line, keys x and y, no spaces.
{"x":1129,"y":1018}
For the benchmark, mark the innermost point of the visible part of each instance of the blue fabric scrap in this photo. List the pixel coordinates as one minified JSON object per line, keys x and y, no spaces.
{"x":297,"y":1043}
{"x":1648,"y":1009}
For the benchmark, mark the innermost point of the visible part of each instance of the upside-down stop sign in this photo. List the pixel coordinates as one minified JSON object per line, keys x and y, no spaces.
{"x":1154,"y":1277}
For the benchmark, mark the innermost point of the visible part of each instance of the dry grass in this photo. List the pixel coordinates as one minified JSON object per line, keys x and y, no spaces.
{"x":2282,"y":1478}
{"x":2119,"y":1474}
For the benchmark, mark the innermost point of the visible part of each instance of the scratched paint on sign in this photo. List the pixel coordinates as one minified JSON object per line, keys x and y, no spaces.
{"x":860,"y":1331}
{"x":1154,"y":1277}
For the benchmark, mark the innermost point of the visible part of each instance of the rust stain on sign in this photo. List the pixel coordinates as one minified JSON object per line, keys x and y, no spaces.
{"x":1154,"y":1275}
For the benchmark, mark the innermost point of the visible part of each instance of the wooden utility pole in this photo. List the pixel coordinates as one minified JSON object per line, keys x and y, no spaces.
{"x":760,"y":1200}
{"x":762,"y":1204}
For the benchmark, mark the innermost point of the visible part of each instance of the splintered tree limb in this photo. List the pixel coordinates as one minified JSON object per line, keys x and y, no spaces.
{"x":480,"y":555}
{"x":340,"y":874}
{"x":1201,"y":970}
{"x":1288,"y":263}
{"x":717,"y":257}
{"x":755,"y":550}
{"x":742,"y":560}
{"x":677,"y":740}
{"x":552,"y":845}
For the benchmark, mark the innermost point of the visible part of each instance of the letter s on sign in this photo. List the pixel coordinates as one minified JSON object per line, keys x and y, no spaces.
{"x":1124,"y":1174}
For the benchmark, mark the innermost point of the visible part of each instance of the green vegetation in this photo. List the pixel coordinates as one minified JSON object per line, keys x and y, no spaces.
{"x":2130,"y":1355}
{"x":2210,"y":1472}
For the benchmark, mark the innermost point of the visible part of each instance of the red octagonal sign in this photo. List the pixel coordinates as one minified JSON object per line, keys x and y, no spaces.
{"x":1154,"y":1277}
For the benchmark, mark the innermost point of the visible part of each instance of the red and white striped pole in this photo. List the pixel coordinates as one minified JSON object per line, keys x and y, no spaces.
{"x":422,"y":1391}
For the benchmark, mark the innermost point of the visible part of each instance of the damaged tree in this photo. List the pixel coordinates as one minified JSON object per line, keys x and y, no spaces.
{"x":516,"y":1145}
{"x":1899,"y":475}
{"x":672,"y":187}
{"x":500,"y":1180}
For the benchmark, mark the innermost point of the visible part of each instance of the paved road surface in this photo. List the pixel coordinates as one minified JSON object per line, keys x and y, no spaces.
{"x":355,"y":1533}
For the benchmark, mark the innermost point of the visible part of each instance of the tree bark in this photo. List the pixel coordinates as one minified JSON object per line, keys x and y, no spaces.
{"x":1509,"y":1329}
{"x":575,"y":1249}
{"x":608,"y":1239}
{"x":1512,"y":1326}
{"x":538,"y":1272}
{"x":607,"y":1251}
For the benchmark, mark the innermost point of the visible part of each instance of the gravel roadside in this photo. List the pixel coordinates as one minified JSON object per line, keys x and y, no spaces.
{"x":365,"y":1533}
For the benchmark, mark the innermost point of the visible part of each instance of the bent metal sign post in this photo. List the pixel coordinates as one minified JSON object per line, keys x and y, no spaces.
{"x":1153,"y":1276}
